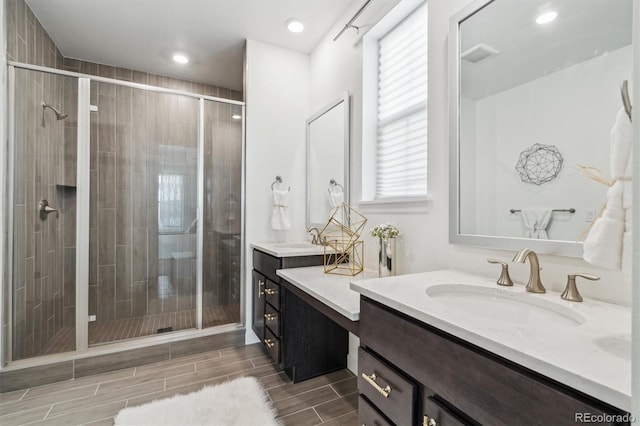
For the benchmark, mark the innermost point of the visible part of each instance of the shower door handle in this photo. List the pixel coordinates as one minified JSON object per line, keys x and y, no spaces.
{"x":46,"y":210}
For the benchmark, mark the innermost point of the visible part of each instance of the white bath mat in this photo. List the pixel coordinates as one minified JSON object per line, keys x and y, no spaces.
{"x":240,"y":402}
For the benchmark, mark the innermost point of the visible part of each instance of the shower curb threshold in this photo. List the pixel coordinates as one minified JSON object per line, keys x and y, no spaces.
{"x":114,"y":356}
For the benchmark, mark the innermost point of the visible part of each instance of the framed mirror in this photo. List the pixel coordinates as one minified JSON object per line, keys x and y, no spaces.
{"x":534,"y":92}
{"x":327,"y":161}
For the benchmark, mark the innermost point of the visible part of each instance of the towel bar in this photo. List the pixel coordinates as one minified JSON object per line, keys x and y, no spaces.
{"x":571,"y":210}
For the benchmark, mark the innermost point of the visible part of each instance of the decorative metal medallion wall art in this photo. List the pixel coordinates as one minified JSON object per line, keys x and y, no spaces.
{"x":539,"y":164}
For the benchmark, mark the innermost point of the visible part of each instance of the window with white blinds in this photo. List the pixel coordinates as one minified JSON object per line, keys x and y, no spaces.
{"x":401,"y":157}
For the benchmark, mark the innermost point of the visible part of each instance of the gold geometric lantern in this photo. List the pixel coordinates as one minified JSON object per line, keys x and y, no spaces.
{"x":343,"y":251}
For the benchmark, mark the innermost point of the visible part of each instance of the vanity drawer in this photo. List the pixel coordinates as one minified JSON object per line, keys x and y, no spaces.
{"x":272,"y":344}
{"x":272,"y":293}
{"x":266,"y":264}
{"x":368,"y":415}
{"x":386,"y":388}
{"x":272,"y":319}
{"x":434,"y":409}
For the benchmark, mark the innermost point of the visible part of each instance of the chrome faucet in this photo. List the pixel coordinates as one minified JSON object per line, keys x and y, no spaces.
{"x":534,"y":285}
{"x":315,"y":237}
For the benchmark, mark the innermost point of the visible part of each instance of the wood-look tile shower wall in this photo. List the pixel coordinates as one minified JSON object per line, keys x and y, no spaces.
{"x":39,"y":251}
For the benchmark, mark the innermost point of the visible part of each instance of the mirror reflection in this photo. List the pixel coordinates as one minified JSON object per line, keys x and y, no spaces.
{"x":539,"y":92}
{"x":327,"y":161}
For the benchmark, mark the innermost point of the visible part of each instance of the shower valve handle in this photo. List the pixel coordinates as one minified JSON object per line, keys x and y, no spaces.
{"x":46,"y":210}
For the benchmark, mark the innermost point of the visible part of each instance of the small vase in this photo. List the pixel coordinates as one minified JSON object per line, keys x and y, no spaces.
{"x":386,"y":257}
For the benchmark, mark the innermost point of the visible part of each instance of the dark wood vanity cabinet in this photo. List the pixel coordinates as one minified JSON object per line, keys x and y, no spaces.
{"x":412,"y":373}
{"x":267,"y":296}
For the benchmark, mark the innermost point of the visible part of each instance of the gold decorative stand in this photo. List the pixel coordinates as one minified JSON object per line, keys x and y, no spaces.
{"x":343,"y":250}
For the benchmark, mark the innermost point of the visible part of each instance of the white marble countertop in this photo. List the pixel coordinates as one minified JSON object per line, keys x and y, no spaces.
{"x":593,"y":357}
{"x":331,"y":289}
{"x":289,"y":249}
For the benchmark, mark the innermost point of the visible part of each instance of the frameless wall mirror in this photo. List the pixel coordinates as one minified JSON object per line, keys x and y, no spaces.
{"x":327,"y":161}
{"x":534,"y":93}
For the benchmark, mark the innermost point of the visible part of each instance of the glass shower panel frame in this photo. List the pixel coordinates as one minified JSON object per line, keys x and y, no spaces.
{"x":81,"y":104}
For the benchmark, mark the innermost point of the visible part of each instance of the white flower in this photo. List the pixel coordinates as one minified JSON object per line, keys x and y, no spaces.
{"x":384,"y":231}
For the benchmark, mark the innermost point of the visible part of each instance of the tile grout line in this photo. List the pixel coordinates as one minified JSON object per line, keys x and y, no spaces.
{"x":65,"y":413}
{"x":126,"y":401}
{"x":333,"y":389}
{"x":48,"y":411}
{"x":319,"y":416}
{"x":24,"y":394}
{"x":306,"y":408}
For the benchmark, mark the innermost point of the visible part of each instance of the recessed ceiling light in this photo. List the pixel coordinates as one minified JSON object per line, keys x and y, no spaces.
{"x":236,"y":116}
{"x":295,"y":26}
{"x":546,"y":17}
{"x":181,"y":59}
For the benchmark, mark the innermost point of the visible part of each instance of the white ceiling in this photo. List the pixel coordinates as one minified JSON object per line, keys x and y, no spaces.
{"x":144,"y":34}
{"x":583,"y":30}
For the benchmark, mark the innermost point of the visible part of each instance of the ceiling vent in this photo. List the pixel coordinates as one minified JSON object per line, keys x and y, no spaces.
{"x":478,"y":53}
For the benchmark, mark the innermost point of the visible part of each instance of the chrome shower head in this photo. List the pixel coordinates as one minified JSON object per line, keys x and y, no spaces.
{"x":59,"y":115}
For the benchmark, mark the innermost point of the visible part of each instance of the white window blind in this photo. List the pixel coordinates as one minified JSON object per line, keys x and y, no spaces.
{"x":401,"y":158}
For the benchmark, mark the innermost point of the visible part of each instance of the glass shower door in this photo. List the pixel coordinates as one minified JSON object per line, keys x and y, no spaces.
{"x":143,"y":213}
{"x":43,"y":240}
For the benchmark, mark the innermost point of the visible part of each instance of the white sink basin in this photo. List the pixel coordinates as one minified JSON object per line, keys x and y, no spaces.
{"x":505,"y":306}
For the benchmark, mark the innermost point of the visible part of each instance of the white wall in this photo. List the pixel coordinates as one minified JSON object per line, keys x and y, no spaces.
{"x":424,"y":246}
{"x":277,"y":102}
{"x":558,"y":111}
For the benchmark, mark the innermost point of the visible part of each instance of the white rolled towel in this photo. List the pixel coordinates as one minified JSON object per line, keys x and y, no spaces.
{"x":280,"y":219}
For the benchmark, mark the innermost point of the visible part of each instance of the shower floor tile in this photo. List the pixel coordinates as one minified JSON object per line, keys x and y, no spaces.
{"x":128,"y":328}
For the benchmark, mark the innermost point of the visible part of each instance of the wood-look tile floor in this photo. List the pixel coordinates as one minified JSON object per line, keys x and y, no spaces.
{"x":94,"y":400}
{"x":128,"y":328}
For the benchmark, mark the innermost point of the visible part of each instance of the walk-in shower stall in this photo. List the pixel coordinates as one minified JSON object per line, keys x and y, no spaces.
{"x":125,"y":212}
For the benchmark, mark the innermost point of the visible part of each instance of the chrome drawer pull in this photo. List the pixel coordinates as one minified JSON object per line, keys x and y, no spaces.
{"x":270,"y":291}
{"x":269,"y":343}
{"x":429,"y":421}
{"x":372,"y":381}
{"x":270,"y":317}
{"x":260,"y":291}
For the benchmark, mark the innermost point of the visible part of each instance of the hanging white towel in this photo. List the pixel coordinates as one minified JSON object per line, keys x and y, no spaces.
{"x":336,"y":199}
{"x":606,"y":245}
{"x":536,"y":223}
{"x":280,"y":219}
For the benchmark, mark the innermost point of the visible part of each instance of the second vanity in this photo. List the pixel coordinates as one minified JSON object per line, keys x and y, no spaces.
{"x":450,"y":348}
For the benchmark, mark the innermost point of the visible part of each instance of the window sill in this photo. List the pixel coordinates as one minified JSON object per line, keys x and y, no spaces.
{"x":396,"y":205}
